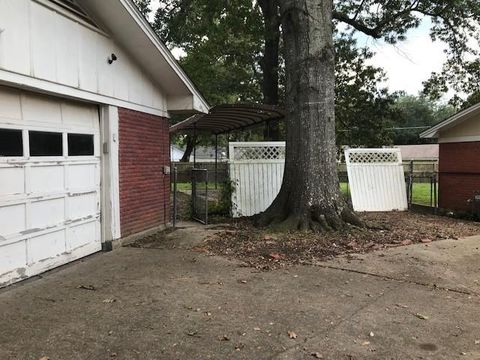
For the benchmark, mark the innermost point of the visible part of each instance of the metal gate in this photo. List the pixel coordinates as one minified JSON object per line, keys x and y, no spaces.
{"x":200,"y":195}
{"x":376,"y":178}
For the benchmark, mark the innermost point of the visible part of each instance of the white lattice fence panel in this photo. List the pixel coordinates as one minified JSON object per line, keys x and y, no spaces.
{"x":256,"y":171}
{"x":376,"y":178}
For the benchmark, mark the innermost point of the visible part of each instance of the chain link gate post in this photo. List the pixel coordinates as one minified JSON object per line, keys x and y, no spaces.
{"x":200,"y":195}
{"x":175,"y":178}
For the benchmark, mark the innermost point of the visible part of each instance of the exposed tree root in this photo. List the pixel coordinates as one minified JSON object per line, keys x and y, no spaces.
{"x":312,"y":219}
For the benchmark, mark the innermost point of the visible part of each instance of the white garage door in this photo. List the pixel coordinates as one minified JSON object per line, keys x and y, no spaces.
{"x":49,"y":183}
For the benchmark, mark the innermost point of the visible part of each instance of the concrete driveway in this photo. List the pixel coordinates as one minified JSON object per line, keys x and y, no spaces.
{"x":170,"y":302}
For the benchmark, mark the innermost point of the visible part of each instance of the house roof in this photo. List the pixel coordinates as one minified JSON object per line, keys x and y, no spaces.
{"x":419,"y":152}
{"x":452,"y":121}
{"x":134,"y":33}
{"x":224,"y":118}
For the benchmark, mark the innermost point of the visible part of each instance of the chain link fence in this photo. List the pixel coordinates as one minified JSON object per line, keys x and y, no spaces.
{"x":200,"y":195}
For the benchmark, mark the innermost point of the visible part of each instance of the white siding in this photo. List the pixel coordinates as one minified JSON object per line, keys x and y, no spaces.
{"x":38,"y":42}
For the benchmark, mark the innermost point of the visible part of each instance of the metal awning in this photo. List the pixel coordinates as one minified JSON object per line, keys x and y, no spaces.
{"x":224,"y":118}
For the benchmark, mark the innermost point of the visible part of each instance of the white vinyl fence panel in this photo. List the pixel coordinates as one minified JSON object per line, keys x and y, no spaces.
{"x":376,"y":178}
{"x":256,"y":171}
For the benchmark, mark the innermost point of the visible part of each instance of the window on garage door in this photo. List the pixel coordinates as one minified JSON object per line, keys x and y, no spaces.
{"x":11,"y":143}
{"x":80,"y":145}
{"x":45,"y":143}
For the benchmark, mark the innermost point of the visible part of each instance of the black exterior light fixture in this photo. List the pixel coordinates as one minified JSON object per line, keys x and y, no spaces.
{"x":112,"y":58}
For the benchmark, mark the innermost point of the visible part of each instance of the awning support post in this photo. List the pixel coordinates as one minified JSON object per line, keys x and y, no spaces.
{"x":195,"y":145}
{"x":228,"y":145}
{"x":216,"y":161}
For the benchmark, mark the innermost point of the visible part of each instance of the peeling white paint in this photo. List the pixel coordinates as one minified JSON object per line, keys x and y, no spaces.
{"x":49,"y":205}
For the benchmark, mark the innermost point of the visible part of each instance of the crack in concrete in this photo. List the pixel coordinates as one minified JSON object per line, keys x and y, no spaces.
{"x":331,"y":328}
{"x":406,"y":281}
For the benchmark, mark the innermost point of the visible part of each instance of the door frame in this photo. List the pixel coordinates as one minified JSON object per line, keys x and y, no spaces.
{"x":110,"y":182}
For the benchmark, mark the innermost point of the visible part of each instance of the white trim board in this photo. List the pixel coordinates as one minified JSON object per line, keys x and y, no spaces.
{"x":111,"y":229}
{"x":24,"y":82}
{"x":458,"y":139}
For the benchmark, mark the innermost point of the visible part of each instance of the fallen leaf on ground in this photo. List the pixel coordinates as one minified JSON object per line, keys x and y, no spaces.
{"x":292,"y":335}
{"x":477,"y":342}
{"x":86,"y":287}
{"x":268,"y":238}
{"x":109,"y":301}
{"x":225,"y":338}
{"x":192,"y":333}
{"x":256,"y":328}
{"x":247,"y":244}
{"x":276,"y":256}
{"x":239,"y":347}
{"x":45,"y":358}
{"x":365,"y":343}
{"x":352,"y":244}
{"x":200,"y":249}
{"x":420,"y":316}
{"x":317,"y":355}
{"x":371,"y":334}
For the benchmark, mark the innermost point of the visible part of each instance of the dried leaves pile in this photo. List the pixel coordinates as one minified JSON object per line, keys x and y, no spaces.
{"x":266,"y":251}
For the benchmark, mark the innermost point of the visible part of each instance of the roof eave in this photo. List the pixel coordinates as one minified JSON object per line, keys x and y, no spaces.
{"x":198,"y":101}
{"x":456,"y":119}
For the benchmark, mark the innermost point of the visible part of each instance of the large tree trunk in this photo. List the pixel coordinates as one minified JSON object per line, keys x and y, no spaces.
{"x":188,"y":149}
{"x":270,"y":62}
{"x":310,"y":197}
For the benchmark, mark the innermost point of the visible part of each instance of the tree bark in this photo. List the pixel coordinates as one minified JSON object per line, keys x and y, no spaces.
{"x":270,"y":62}
{"x":310,"y":197}
{"x":188,"y":149}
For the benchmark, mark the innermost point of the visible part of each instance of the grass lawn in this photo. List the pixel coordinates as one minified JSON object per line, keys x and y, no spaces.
{"x":188,"y":186}
{"x":421,"y":192}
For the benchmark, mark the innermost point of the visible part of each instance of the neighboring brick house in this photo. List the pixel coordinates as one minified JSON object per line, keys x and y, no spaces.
{"x":86,"y":90}
{"x":459,"y":159}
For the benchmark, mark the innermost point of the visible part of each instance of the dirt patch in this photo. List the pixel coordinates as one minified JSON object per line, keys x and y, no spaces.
{"x":184,"y":206}
{"x":263,"y":250}
{"x":152,"y":241}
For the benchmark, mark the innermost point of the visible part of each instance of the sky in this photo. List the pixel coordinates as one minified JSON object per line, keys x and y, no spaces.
{"x":407,"y":64}
{"x":410,"y":62}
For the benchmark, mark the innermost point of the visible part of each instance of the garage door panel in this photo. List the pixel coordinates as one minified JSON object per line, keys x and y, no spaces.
{"x":46,"y":179}
{"x":12,"y":180}
{"x":12,"y":219}
{"x":83,"y":176}
{"x":46,"y":246}
{"x":39,"y":109}
{"x":12,"y":256}
{"x":10,"y":107}
{"x":50,"y":196}
{"x":80,"y":117}
{"x":82,"y":205}
{"x":47,"y":213}
{"x":81,"y":235}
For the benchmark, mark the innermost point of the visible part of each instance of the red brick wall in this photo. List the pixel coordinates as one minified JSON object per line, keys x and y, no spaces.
{"x":459,"y":175}
{"x":144,"y":149}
